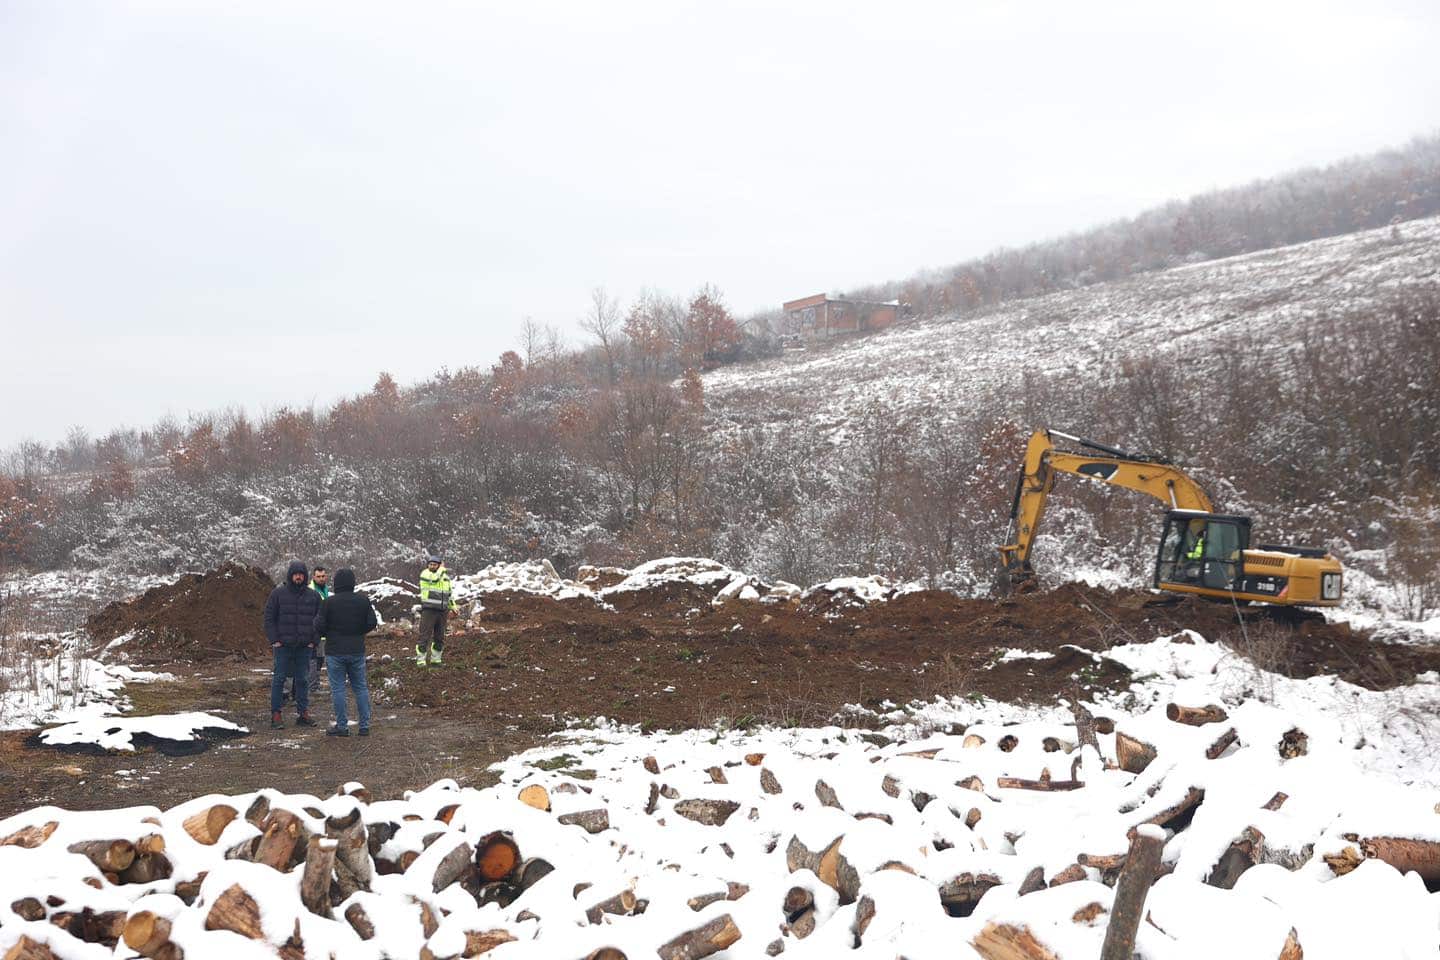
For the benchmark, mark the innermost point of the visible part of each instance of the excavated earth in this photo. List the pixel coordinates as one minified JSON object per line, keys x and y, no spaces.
{"x":663,"y":658}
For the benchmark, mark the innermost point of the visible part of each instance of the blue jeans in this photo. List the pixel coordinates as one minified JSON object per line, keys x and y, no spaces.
{"x":290,"y":663}
{"x":351,"y":666}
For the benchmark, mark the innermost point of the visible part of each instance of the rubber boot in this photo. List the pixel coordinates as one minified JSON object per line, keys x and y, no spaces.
{"x":422,"y":655}
{"x":436,"y":657}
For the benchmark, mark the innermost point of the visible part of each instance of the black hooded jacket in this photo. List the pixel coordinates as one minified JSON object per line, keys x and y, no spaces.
{"x":345,"y":618}
{"x":290,"y":611}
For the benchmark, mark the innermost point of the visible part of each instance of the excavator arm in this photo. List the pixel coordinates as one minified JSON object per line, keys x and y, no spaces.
{"x":1156,"y":477}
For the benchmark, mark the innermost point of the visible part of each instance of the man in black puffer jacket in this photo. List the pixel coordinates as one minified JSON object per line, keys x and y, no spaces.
{"x":290,"y":627}
{"x":343,"y":621}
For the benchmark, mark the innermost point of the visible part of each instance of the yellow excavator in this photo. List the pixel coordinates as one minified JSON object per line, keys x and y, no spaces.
{"x":1201,"y":552}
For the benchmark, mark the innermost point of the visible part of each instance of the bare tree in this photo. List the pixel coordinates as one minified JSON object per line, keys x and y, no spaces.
{"x":604,"y":324}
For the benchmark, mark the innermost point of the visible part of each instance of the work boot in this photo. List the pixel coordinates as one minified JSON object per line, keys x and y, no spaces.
{"x":338,"y":731}
{"x":304,"y":721}
{"x":422,"y":655}
{"x":277,"y":722}
{"x":436,"y":657}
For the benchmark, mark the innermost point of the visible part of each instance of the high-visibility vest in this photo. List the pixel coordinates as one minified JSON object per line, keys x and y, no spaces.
{"x":1198,"y":551}
{"x":435,"y":589}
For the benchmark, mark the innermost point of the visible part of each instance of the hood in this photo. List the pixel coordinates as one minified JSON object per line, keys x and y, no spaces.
{"x":297,"y":566}
{"x":344,"y":580}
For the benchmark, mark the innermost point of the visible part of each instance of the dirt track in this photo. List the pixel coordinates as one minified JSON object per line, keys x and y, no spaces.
{"x":664,"y":658}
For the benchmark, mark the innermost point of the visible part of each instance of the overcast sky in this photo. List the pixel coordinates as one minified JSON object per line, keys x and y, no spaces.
{"x":205,"y":204}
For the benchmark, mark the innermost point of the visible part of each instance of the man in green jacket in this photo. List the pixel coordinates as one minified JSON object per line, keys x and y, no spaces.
{"x":436,"y":604}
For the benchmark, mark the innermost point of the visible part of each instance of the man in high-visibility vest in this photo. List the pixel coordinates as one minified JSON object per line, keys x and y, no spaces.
{"x":436,"y":604}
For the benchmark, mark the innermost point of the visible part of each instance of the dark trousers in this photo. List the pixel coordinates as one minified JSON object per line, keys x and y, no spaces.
{"x":351,"y":668}
{"x":291,"y":663}
{"x":313,"y":676}
{"x":432,"y":629}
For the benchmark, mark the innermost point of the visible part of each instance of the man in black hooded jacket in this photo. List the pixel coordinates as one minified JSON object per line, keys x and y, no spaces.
{"x":290,"y":628}
{"x":343,"y":621}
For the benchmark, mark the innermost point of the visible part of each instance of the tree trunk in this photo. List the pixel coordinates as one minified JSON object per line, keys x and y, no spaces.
{"x":713,"y":937}
{"x":1422,"y":856}
{"x":206,"y":826}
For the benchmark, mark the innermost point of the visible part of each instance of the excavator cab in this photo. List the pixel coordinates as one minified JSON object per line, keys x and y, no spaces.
{"x":1203,"y":550}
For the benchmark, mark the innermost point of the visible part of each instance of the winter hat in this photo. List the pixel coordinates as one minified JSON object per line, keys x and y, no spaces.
{"x":433,"y":557}
{"x":344,"y":580}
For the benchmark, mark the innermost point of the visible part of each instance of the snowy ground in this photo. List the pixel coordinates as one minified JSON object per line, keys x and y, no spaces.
{"x":880,"y":834}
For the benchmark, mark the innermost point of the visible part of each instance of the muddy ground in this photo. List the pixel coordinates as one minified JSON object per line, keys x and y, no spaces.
{"x":664,"y":658}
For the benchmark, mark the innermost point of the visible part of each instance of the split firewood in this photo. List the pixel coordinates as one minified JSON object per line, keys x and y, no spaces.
{"x":1291,"y":950}
{"x":352,"y":849}
{"x":621,"y":904}
{"x":1276,"y":802}
{"x":653,"y":800}
{"x":429,"y":923}
{"x":147,"y":868}
{"x":1070,"y":874}
{"x":30,"y":837}
{"x":890,"y":786}
{"x":669,"y":792}
{"x":768,"y":783}
{"x":1142,"y":865}
{"x":652,"y":766}
{"x":972,"y":741}
{"x":960,"y":894}
{"x":593,"y":821}
{"x":864,"y":913}
{"x":315,"y":881}
{"x":189,"y":890}
{"x":1294,"y":743}
{"x":717,"y":775}
{"x":1008,"y":742}
{"x":149,"y":935}
{"x":359,"y":921}
{"x":826,"y":795}
{"x":829,"y":865}
{"x":1003,"y":941}
{"x":1221,"y":744}
{"x":205,"y":826}
{"x":27,"y":949}
{"x":447,"y":813}
{"x":1196,"y":716}
{"x":971,"y":783}
{"x":1343,"y":862}
{"x":1016,"y":783}
{"x":278,"y":842}
{"x":109,"y":856}
{"x":1034,"y":882}
{"x":244,"y":850}
{"x":235,"y":910}
{"x":258,"y":810}
{"x":1133,"y":755}
{"x":711,"y":813}
{"x":615,"y":953}
{"x":479,"y":942}
{"x":535,"y":796}
{"x":703,"y":941}
{"x":452,"y":867}
{"x":754,"y":759}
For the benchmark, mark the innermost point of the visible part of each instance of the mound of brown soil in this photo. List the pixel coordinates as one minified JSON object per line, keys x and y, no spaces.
{"x":201,"y":616}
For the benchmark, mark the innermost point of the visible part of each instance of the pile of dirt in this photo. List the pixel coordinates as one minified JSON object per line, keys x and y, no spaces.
{"x":669,"y":660}
{"x":201,"y":616}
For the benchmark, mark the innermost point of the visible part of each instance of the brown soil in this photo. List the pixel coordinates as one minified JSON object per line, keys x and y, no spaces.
{"x":201,"y":616}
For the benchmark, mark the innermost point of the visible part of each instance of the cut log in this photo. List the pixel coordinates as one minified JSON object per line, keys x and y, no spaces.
{"x":703,"y":941}
{"x":236,"y":911}
{"x":972,"y":741}
{"x":593,"y":821}
{"x":535,"y":796}
{"x":652,"y":765}
{"x":1221,"y":744}
{"x":607,"y":953}
{"x":1142,"y":865}
{"x":1104,"y":725}
{"x":1048,"y":786}
{"x":148,"y":935}
{"x":1008,"y":742}
{"x":829,"y":865}
{"x":890,"y":786}
{"x":768,"y":783}
{"x":205,"y":826}
{"x":1176,"y":815}
{"x":189,"y":890}
{"x":28,"y":908}
{"x":1003,"y":941}
{"x":315,"y":881}
{"x":1291,"y":950}
{"x":109,"y":856}
{"x":1070,"y":874}
{"x":653,"y":800}
{"x":452,"y":867}
{"x":1034,"y":881}
{"x":1276,"y":802}
{"x":1133,"y":755}
{"x":532,"y":871}
{"x":30,"y":837}
{"x":277,"y":843}
{"x":379,"y":834}
{"x":621,"y":905}
{"x":91,"y":926}
{"x":971,"y":783}
{"x":826,"y":795}
{"x":258,"y":810}
{"x":960,"y":895}
{"x":1242,"y":854}
{"x":717,"y":775}
{"x":147,"y":868}
{"x":798,"y":900}
{"x":497,"y":855}
{"x":712,"y":813}
{"x":352,"y":849}
{"x":1196,"y":716}
{"x":1421,"y":856}
{"x":864,"y":913}
{"x":359,"y":921}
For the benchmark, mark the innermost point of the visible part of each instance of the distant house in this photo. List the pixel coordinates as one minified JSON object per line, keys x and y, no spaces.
{"x":822,"y":316}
